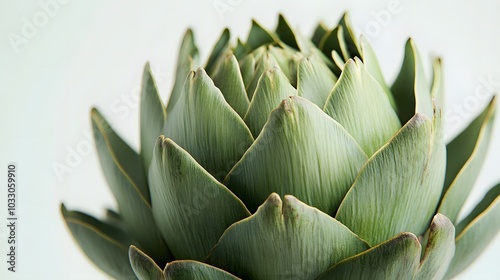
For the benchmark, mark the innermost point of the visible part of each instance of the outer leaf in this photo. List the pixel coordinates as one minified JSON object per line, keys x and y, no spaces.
{"x":207,"y":127}
{"x":193,"y":270}
{"x":396,"y":178}
{"x":314,"y":80}
{"x":361,"y":106}
{"x":191,"y":207}
{"x":188,"y":53}
{"x":318,"y":34}
{"x":411,"y":90}
{"x":144,"y":267}
{"x":259,"y":36}
{"x":122,"y":154}
{"x":373,"y":67}
{"x":217,"y":54}
{"x":439,"y":251}
{"x":488,"y":199}
{"x":230,"y":82}
{"x":133,"y":206}
{"x":152,"y":118}
{"x":273,"y":87}
{"x":471,"y":150}
{"x":285,"y":32}
{"x":104,"y":244}
{"x":289,"y":241}
{"x":397,"y":258}
{"x":301,"y":151}
{"x":475,"y":237}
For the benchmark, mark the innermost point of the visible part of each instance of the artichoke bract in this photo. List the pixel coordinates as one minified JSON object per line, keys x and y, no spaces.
{"x":291,"y":158}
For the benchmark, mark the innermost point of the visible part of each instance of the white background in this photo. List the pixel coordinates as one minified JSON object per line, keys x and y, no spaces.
{"x":91,"y":53}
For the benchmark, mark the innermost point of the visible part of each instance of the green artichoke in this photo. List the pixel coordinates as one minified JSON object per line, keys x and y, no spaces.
{"x":291,"y":158}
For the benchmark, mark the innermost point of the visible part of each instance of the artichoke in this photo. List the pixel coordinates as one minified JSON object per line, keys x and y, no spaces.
{"x":291,"y":158}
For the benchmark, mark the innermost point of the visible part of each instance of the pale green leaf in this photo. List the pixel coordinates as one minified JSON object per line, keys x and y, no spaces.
{"x":229,"y":80}
{"x":474,"y":238}
{"x":411,"y":90}
{"x":285,"y":32}
{"x":144,"y":267}
{"x":301,"y":151}
{"x":264,"y":63}
{"x":439,"y":251}
{"x":133,"y":206}
{"x":206,"y":126}
{"x":288,"y":240}
{"x":259,"y":36}
{"x":247,"y":68}
{"x":152,"y":119}
{"x":373,"y":67}
{"x":188,"y":54}
{"x":273,"y":87}
{"x":191,"y":207}
{"x":437,"y":89}
{"x":104,"y":244}
{"x":397,"y":258}
{"x":193,"y":270}
{"x":218,"y":52}
{"x":338,"y":61}
{"x":314,"y":80}
{"x":361,"y":106}
{"x":488,"y":198}
{"x":466,"y":155}
{"x":287,"y":60}
{"x":392,"y":192}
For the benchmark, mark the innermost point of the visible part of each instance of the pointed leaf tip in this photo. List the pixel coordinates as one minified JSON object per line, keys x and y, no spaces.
{"x":144,"y":266}
{"x":281,"y":228}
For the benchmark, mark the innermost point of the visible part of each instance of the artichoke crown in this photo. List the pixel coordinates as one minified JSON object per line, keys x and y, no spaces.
{"x":291,"y":158}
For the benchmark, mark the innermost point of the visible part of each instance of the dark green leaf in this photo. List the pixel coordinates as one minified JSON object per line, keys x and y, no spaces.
{"x":217,"y":53}
{"x":411,"y":90}
{"x":152,"y":118}
{"x":188,"y":54}
{"x":104,"y":244}
{"x":285,"y":32}
{"x":133,"y":206}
